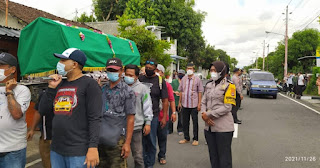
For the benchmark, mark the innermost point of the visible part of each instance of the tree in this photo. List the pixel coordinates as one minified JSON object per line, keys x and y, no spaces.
{"x":181,"y":22}
{"x":148,"y":45}
{"x":233,"y":64}
{"x":109,"y":9}
{"x":84,"y":18}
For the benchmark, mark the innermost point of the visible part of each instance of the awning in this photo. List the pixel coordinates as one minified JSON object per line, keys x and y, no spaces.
{"x":9,"y":33}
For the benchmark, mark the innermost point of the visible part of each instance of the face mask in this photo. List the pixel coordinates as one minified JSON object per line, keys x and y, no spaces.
{"x":149,"y":72}
{"x":189,"y":72}
{"x":157,"y":74}
{"x":2,"y":76}
{"x":61,"y":69}
{"x":129,"y":80}
{"x":214,"y":76}
{"x":113,"y":76}
{"x":180,"y":76}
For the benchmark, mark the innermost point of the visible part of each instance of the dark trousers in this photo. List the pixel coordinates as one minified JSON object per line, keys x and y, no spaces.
{"x":290,"y":87}
{"x":236,"y":108}
{"x":162,"y":141}
{"x":186,"y":113}
{"x":179,"y":126}
{"x":300,"y":90}
{"x":219,"y":145}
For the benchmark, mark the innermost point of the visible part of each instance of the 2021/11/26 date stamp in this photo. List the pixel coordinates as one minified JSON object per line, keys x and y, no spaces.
{"x":301,"y":159}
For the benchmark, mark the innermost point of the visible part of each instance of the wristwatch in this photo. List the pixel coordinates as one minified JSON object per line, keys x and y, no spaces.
{"x":174,"y":113}
{"x":9,"y":93}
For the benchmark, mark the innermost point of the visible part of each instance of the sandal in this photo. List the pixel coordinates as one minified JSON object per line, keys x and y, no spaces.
{"x":162,"y":161}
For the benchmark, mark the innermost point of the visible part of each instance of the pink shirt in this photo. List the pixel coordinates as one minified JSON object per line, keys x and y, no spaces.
{"x":190,"y":88}
{"x":170,"y":99}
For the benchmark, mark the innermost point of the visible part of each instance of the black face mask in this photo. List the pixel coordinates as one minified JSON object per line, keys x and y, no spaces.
{"x":150,"y":72}
{"x":180,"y":76}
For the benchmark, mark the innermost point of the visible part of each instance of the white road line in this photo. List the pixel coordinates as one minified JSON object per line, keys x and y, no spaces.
{"x":235,"y":133}
{"x":33,"y":163}
{"x":301,"y":104}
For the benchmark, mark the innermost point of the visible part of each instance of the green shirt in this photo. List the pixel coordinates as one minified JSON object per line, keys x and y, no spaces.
{"x":175,"y":85}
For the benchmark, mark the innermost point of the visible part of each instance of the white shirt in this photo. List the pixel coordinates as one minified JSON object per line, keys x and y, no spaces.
{"x":13,"y":132}
{"x":300,"y":80}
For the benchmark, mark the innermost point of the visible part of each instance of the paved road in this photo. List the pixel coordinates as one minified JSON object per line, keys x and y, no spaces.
{"x":272,"y":132}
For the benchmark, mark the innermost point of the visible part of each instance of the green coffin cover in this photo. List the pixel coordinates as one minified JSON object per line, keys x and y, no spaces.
{"x":43,"y":37}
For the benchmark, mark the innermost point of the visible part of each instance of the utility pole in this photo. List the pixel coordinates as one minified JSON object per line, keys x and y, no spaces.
{"x":267,"y":57}
{"x":76,"y":14}
{"x":264,"y":46}
{"x":286,"y":46}
{"x":7,"y":4}
{"x":257,"y":63}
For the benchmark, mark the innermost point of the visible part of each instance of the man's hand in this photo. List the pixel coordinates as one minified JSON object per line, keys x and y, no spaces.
{"x":199,"y":107}
{"x":55,"y":82}
{"x":177,"y":93}
{"x":179,"y":107}
{"x":125,"y":151}
{"x":92,"y":158}
{"x":241,"y":97}
{"x":174,"y":117}
{"x":11,"y":84}
{"x":30,"y":135}
{"x":163,"y":122}
{"x":146,"y":130}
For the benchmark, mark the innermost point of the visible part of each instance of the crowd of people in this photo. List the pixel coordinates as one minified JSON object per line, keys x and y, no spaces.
{"x":295,"y":83}
{"x":86,"y":123}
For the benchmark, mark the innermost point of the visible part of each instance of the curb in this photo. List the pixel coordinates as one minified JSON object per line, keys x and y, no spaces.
{"x":302,"y":97}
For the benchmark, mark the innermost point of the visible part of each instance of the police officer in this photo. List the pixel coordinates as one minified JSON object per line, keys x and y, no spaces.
{"x":218,"y":118}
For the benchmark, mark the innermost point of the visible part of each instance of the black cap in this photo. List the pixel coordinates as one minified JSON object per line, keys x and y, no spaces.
{"x":114,"y":63}
{"x":190,"y":64}
{"x":8,"y":59}
{"x":73,"y":54}
{"x":236,"y":70}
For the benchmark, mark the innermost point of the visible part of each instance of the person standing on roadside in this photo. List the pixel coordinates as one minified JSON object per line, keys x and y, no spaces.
{"x":45,"y":124}
{"x":144,"y":114}
{"x":175,"y":86}
{"x":14,"y":102}
{"x":191,"y":89}
{"x":119,"y":104}
{"x":158,"y":92}
{"x":301,"y":84}
{"x":163,"y":132}
{"x":236,"y":81}
{"x":76,"y":104}
{"x":218,"y":119}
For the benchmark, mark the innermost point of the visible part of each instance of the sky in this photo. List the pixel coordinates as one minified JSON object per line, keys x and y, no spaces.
{"x":236,"y":26}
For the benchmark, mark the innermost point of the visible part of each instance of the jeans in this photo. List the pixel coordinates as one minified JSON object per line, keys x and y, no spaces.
{"x":219,"y":145}
{"x":137,"y":149}
{"x":149,"y":144}
{"x":14,"y":159}
{"x":162,"y":141}
{"x":186,"y":112}
{"x":60,"y":161}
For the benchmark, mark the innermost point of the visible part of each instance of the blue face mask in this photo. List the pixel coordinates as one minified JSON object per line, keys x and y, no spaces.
{"x":61,"y":70}
{"x":129,"y":80}
{"x":113,"y":76}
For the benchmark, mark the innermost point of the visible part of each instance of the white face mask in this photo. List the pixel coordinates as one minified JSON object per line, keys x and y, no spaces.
{"x":2,"y":76}
{"x":214,"y":76}
{"x":189,"y":72}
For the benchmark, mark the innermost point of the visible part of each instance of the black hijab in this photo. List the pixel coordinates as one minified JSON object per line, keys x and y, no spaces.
{"x":220,"y":68}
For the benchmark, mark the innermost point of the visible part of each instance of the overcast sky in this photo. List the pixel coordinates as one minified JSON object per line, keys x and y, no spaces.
{"x":236,"y":26}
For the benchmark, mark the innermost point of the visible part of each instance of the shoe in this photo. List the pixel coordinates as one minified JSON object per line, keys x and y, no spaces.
{"x":183,"y":141}
{"x":239,"y":122}
{"x":180,"y":133}
{"x":195,"y":143}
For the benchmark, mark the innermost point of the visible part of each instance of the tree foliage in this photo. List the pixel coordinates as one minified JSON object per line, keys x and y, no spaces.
{"x":85,"y":18}
{"x":302,"y":43}
{"x":109,"y":9}
{"x":148,"y":45}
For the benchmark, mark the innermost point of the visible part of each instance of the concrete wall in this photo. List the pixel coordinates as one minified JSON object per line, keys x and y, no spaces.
{"x":12,"y":21}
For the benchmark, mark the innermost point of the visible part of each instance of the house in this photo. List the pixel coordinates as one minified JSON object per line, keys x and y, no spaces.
{"x":20,"y":15}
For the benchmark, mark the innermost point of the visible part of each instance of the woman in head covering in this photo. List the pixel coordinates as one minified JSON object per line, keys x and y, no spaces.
{"x":218,"y":118}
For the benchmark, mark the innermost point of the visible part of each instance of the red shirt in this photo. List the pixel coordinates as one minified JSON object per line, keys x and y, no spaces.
{"x":170,"y":99}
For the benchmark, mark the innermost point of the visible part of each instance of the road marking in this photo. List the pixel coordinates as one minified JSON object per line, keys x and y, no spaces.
{"x":235,"y":133}
{"x":301,"y":104}
{"x":33,"y":163}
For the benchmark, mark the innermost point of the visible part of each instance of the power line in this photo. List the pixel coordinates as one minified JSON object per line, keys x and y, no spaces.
{"x":312,"y":21}
{"x":289,"y":2}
